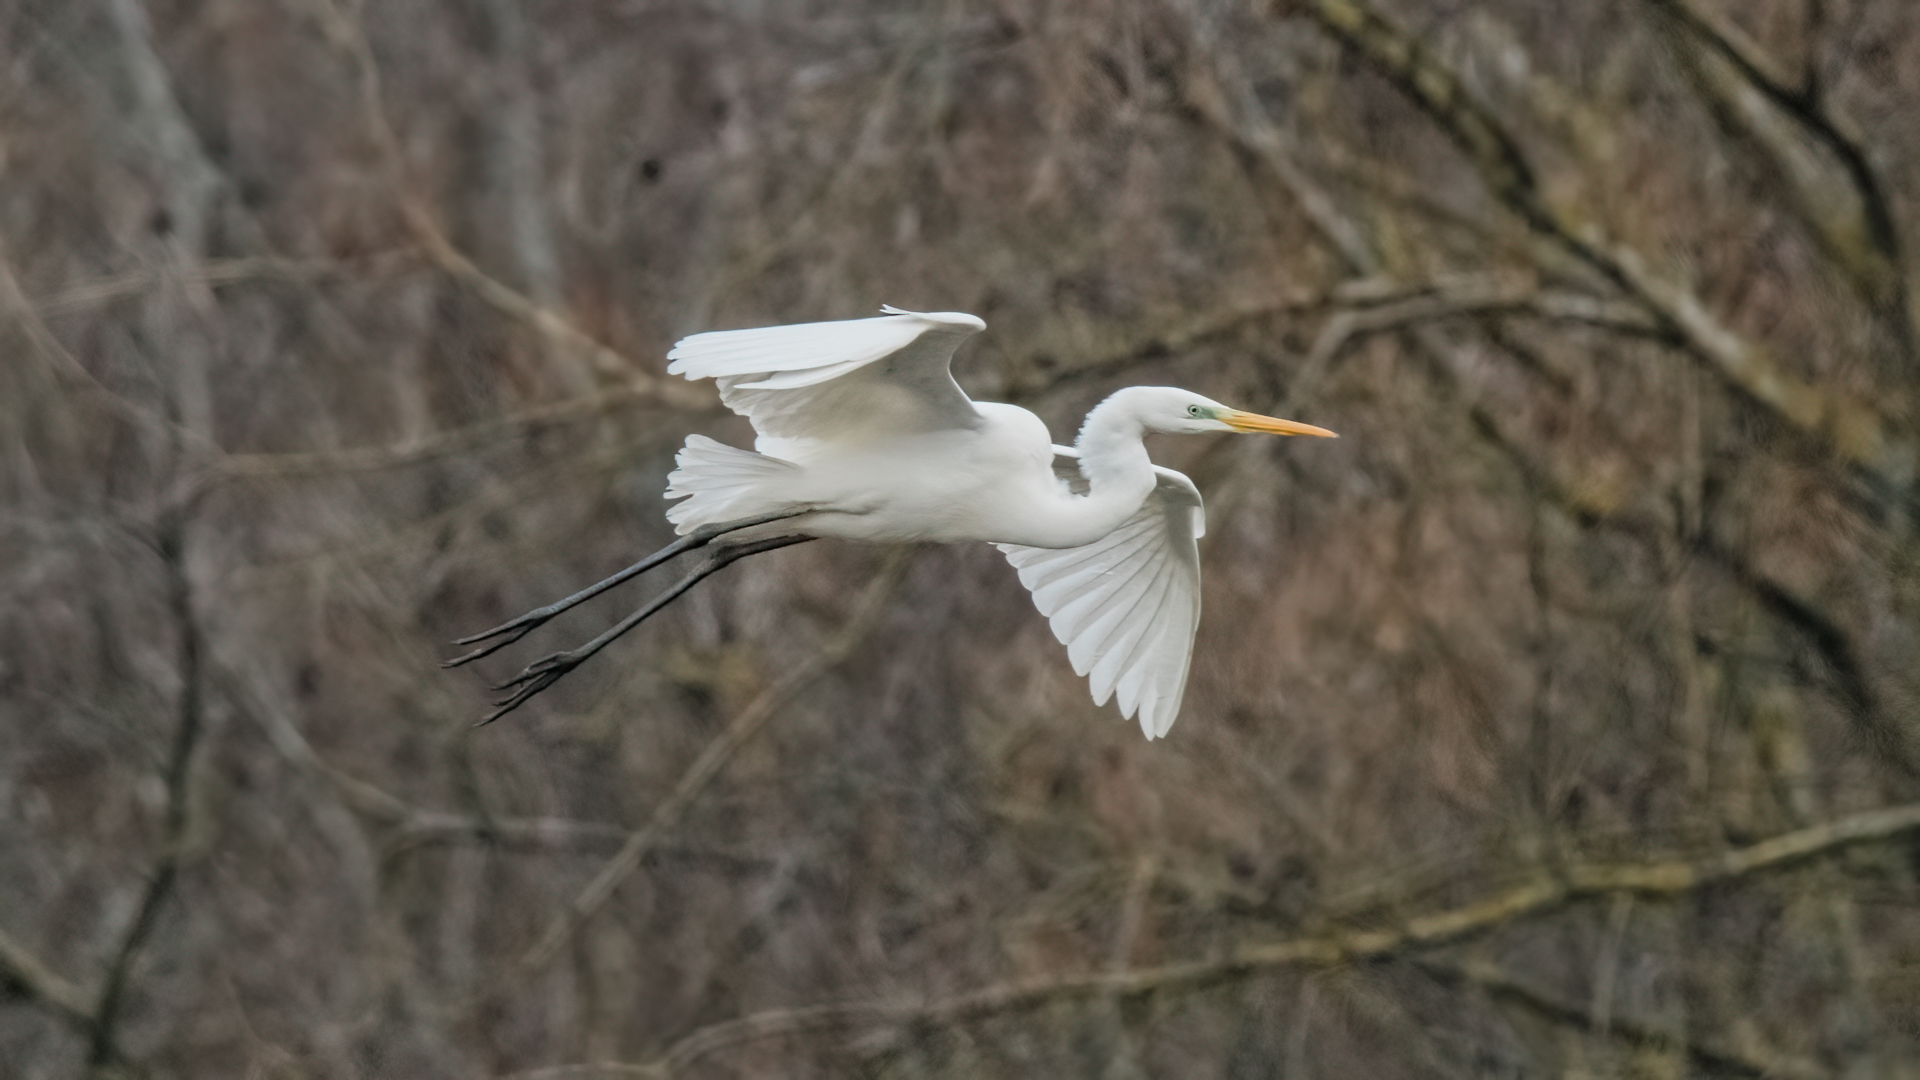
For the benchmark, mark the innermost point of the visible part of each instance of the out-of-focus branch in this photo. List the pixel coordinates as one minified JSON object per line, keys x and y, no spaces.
{"x":1359,"y":307}
{"x":1550,"y":892}
{"x":13,"y":300}
{"x":411,"y":826}
{"x":586,"y":1071}
{"x":1471,"y":296}
{"x":515,"y":149}
{"x":1890,"y":741}
{"x":520,"y":423}
{"x":1493,"y":296}
{"x":190,"y":193}
{"x":1602,"y":502}
{"x":1712,"y":1058}
{"x":1222,"y":95}
{"x":345,"y":33}
{"x":423,"y":827}
{"x":1169,"y":340}
{"x":23,"y":975}
{"x":1866,"y":240}
{"x":211,"y":273}
{"x":497,"y":429}
{"x":713,"y":758}
{"x":1416,"y":72}
{"x":1855,"y":431}
{"x":188,"y":723}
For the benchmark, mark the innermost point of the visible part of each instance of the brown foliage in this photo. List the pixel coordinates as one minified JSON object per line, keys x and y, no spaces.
{"x":1562,"y":718}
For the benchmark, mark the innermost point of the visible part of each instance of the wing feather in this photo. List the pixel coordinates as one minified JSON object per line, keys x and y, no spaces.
{"x":1077,"y":612}
{"x":1120,"y":643}
{"x":1126,"y":606}
{"x":1091,"y":643}
{"x":815,"y":380}
{"x":1098,"y":628}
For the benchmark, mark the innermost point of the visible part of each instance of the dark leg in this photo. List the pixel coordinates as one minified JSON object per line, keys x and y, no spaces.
{"x":510,"y":632}
{"x":545,"y":672}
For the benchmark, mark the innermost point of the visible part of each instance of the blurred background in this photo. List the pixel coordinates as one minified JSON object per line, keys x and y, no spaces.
{"x":1561,"y":719}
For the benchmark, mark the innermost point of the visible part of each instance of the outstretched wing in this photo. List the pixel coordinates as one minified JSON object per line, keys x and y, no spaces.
{"x":832,"y":379}
{"x":1126,"y":606}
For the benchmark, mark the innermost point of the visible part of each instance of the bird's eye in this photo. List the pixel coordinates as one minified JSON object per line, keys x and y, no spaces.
{"x":1193,"y":410}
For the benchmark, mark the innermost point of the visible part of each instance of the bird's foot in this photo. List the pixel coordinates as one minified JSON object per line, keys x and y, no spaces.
{"x":538,"y":676}
{"x":508,"y":633}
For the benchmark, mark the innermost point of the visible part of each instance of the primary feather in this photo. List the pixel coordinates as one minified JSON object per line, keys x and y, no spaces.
{"x":1127,"y":605}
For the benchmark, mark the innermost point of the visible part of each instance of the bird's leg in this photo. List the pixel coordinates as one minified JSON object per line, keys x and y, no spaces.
{"x":545,"y":672}
{"x":514,"y":630}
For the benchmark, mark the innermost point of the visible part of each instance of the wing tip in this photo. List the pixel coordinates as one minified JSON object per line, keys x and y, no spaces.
{"x":960,"y":319}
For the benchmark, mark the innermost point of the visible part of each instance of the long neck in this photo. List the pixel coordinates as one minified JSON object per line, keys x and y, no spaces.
{"x":1119,"y":475}
{"x":1113,"y":456}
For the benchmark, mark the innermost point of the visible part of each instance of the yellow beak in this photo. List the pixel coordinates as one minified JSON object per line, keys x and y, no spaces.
{"x":1246,"y":421}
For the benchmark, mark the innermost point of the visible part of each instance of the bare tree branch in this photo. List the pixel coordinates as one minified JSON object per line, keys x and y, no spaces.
{"x":22,"y":974}
{"x":1470,"y":296}
{"x":1667,"y":879}
{"x":69,"y":366}
{"x":1880,"y":268}
{"x":707,"y":766}
{"x":1853,"y":429}
{"x":1420,"y":75}
{"x":585,"y":1071}
{"x":188,"y":723}
{"x":1591,"y":501}
{"x":1359,"y":307}
{"x":1712,"y":1058}
{"x":1222,"y":95}
{"x":345,"y":33}
{"x":190,"y":193}
{"x":491,"y":431}
{"x":213,"y":272}
{"x":413,"y":826}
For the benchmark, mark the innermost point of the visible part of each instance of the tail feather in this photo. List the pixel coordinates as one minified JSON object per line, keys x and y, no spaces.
{"x":722,"y":483}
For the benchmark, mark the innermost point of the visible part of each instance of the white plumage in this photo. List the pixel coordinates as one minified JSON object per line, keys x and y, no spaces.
{"x":864,"y":435}
{"x":804,"y":381}
{"x":1127,"y":605}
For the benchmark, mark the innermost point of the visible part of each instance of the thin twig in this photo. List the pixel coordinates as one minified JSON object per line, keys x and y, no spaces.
{"x":712,"y":759}
{"x":1668,"y":879}
{"x":1361,"y":306}
{"x":446,"y":443}
{"x":1476,"y":296}
{"x":211,"y":273}
{"x":1708,"y":1057}
{"x":188,"y":724}
{"x":585,"y":1071}
{"x":1892,"y":745}
{"x":1808,"y":109}
{"x":1173,"y":339}
{"x":23,"y":975}
{"x":345,"y":34}
{"x":1854,"y":430}
{"x":412,"y":826}
{"x":13,"y":299}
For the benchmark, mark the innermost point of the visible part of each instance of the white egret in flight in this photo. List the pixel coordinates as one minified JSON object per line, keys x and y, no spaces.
{"x":864,"y":435}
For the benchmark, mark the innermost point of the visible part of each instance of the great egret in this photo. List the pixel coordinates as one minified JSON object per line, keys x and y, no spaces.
{"x":864,"y":435}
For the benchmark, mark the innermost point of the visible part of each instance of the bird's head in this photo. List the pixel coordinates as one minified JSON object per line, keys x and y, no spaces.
{"x":1182,"y":412}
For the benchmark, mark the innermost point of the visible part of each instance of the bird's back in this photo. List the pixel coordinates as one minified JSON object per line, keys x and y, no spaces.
{"x":946,"y":486}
